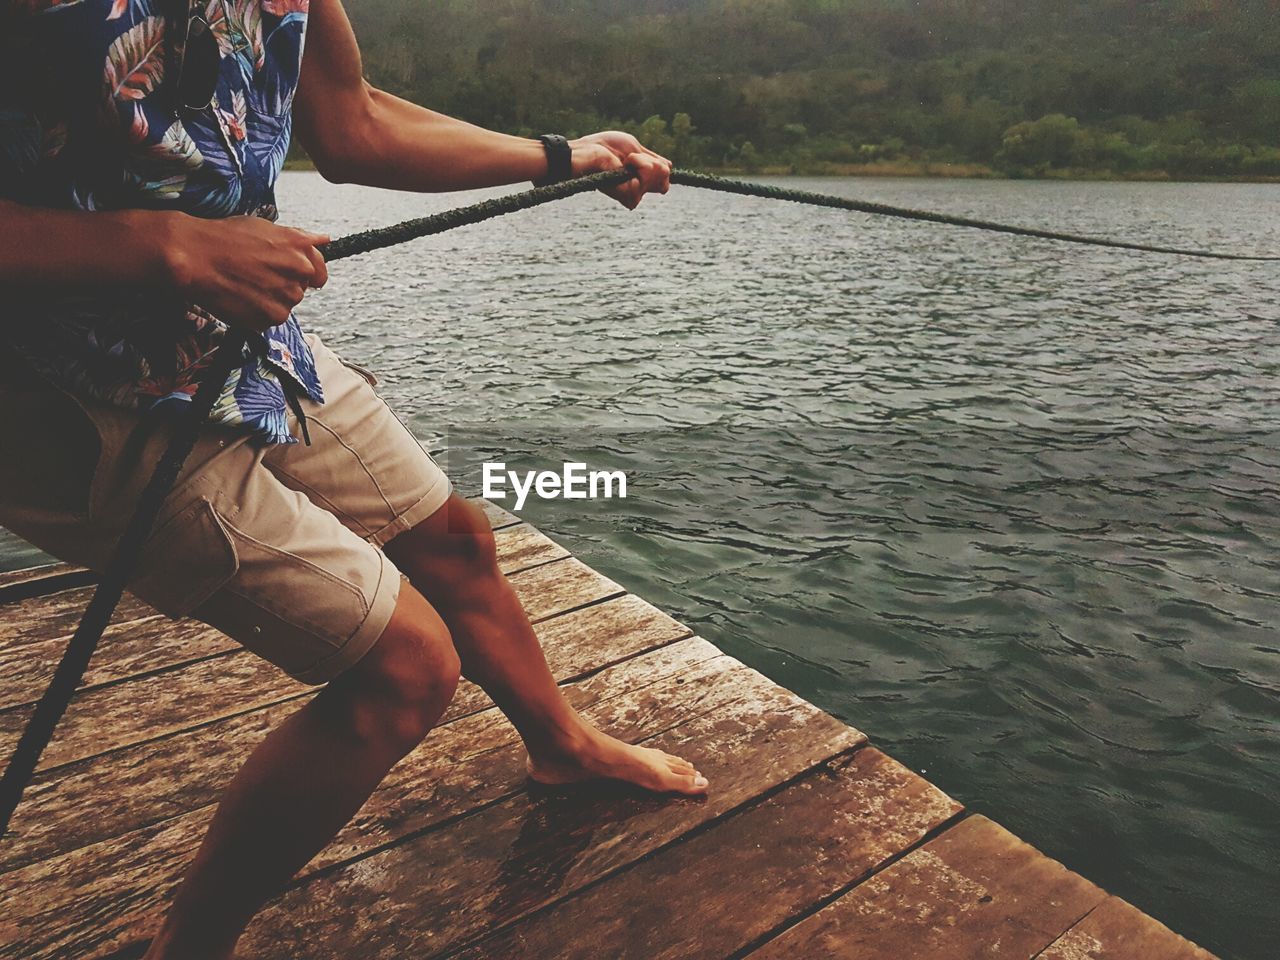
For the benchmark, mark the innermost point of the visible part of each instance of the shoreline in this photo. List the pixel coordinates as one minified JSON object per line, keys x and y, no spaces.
{"x":928,"y":170}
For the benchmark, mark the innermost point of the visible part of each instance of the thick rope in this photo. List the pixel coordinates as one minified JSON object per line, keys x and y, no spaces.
{"x":769,"y":192}
{"x":39,"y":730}
{"x":369,"y":240}
{"x":97,"y":615}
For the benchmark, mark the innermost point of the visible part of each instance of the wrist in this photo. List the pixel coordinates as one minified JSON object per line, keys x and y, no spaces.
{"x":586,"y":157}
{"x":558,"y":164}
{"x":168,"y":248}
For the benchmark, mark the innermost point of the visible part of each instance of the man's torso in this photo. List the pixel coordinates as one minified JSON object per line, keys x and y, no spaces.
{"x":89,"y":121}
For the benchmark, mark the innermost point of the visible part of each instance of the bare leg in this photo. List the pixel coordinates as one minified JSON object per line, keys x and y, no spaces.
{"x":308,"y":778}
{"x":450,"y":557}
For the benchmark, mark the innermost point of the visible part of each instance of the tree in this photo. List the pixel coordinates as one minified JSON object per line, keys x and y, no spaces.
{"x":682,"y":131}
{"x":1052,"y":141}
{"x":1174,"y":86}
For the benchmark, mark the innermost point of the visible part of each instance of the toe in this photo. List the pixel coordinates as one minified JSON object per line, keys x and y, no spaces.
{"x":680,"y":766}
{"x":692,"y":784}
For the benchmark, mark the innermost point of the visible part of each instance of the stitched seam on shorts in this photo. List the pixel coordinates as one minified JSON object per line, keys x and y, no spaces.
{"x":341,"y":652}
{"x":329,"y":505}
{"x":199,"y":588}
{"x":270,"y":606}
{"x":369,"y":376}
{"x":405,"y":427}
{"x":399,"y":520}
{"x":346,"y":446}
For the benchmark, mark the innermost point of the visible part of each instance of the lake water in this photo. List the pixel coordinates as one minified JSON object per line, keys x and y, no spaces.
{"x":1009,"y":507}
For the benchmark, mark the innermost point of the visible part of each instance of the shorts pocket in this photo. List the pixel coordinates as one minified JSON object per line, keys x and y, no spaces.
{"x":185,"y":561}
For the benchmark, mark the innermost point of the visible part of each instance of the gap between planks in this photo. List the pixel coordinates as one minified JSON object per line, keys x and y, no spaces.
{"x":30,"y":582}
{"x":964,"y":863}
{"x":154,"y":644}
{"x":732,"y":882}
{"x":754,"y":733}
{"x":190,"y":765}
{"x":120,"y":714}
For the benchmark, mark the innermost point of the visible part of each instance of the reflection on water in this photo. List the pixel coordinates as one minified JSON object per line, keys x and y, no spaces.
{"x":1008,"y":506}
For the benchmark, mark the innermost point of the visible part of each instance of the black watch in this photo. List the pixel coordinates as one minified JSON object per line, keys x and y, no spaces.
{"x":559,"y":160}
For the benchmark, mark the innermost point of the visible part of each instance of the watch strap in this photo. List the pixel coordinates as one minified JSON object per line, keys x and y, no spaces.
{"x":559,"y":160}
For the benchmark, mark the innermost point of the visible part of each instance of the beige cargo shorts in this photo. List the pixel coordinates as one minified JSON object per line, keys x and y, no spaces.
{"x":277,"y":546}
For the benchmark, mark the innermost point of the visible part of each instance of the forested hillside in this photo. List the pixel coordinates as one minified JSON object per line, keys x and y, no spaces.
{"x":1188,"y":88}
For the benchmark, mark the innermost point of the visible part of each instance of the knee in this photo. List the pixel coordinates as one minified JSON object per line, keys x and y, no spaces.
{"x":403,"y":686}
{"x":454,"y":547}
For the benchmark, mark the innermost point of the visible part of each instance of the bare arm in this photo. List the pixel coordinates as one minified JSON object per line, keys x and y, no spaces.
{"x":40,"y":247}
{"x":245,"y":270}
{"x":359,"y":134}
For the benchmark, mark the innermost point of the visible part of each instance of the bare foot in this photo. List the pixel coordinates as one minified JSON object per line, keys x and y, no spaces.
{"x":604,"y":757}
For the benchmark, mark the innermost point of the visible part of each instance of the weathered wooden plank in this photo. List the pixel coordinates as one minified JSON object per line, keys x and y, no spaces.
{"x":731,"y":885}
{"x":976,"y":891}
{"x":110,"y":717}
{"x":18,"y":585}
{"x":498,"y":517}
{"x":113,"y":716}
{"x":129,"y":648}
{"x":104,"y":896}
{"x":58,"y":572}
{"x":28,"y":574}
{"x":153,"y":781}
{"x":461,"y":767}
{"x":635,"y":700}
{"x":434,"y":892}
{"x":158,"y":643}
{"x":552,"y":588}
{"x":56,"y":615}
{"x":522,"y":546}
{"x":1116,"y":930}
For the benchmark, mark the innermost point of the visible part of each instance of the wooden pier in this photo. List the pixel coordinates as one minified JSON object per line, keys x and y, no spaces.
{"x":812,"y":843}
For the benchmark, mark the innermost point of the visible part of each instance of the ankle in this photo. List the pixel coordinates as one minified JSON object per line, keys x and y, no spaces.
{"x":569,"y":739}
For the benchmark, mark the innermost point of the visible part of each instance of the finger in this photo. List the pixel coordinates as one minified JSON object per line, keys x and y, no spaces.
{"x":656,"y":155}
{"x":298,"y":265}
{"x":625,"y":195}
{"x":319,"y":269}
{"x":263,"y":314}
{"x":655,"y":174}
{"x":638,"y":147}
{"x":647,"y":170}
{"x":635,"y":146}
{"x":629,"y":193}
{"x":625,"y":192}
{"x":315,"y":239}
{"x":281,"y":305}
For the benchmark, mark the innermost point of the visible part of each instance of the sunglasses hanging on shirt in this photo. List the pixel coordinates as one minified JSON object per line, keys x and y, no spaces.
{"x":198,"y":65}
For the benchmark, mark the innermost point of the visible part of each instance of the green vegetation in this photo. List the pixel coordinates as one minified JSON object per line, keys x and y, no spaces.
{"x":1122,"y":88}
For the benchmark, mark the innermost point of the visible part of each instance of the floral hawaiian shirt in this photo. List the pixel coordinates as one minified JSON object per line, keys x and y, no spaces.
{"x":88,"y":121}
